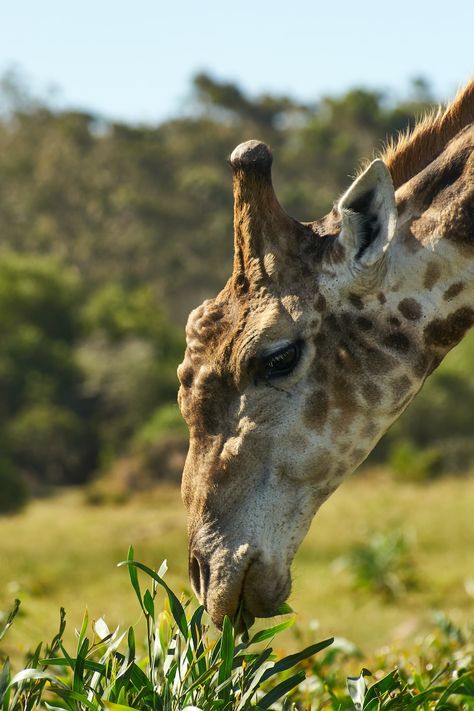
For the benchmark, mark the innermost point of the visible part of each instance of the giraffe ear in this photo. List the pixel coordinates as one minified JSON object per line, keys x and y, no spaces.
{"x":369,"y":215}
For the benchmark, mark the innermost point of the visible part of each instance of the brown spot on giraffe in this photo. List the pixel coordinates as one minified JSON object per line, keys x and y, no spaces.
{"x":320,"y":304}
{"x":432,"y":275}
{"x":453,"y":291}
{"x":369,"y":430}
{"x":371,"y":393}
{"x":397,"y":341}
{"x":410,"y":309}
{"x":445,"y":333}
{"x":317,"y":408}
{"x":356,"y":301}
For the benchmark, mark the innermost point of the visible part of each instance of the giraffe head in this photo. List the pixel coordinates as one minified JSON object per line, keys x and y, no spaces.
{"x":291,"y":375}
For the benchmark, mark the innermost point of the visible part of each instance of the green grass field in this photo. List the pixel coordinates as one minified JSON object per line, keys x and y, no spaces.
{"x":63,"y":552}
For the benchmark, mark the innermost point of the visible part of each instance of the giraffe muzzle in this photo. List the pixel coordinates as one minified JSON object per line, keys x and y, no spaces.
{"x":237,"y":584}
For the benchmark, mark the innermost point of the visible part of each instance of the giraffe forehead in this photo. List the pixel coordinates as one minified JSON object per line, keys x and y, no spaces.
{"x":238,"y":328}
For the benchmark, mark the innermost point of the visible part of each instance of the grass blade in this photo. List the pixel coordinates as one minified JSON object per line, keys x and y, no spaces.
{"x":272,"y":631}
{"x":292,"y":659}
{"x":177,"y":609}
{"x":227,"y":656}
{"x":281,"y":689}
{"x":10,"y":617}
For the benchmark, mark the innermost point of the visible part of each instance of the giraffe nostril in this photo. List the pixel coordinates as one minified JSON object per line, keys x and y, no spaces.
{"x":199,"y":573}
{"x":195,"y":574}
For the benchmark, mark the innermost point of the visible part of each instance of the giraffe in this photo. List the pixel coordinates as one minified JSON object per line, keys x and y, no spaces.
{"x":320,"y":339}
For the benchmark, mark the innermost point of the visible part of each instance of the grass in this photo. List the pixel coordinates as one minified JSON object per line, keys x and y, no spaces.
{"x":62,"y":552}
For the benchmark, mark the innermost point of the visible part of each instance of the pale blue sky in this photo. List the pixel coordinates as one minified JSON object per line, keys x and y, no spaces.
{"x":134,"y":60}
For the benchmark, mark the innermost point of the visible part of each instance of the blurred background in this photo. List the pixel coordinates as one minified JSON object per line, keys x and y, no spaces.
{"x":116,"y":220}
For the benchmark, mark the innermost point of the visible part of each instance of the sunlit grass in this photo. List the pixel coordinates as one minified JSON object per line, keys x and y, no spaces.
{"x":62,"y":552}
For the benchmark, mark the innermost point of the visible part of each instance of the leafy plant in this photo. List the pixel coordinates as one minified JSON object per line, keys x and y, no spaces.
{"x":184,"y":667}
{"x":382,"y":564}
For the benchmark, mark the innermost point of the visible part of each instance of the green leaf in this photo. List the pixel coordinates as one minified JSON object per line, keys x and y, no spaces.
{"x":78,"y":680}
{"x":58,"y":637}
{"x":281,"y":689}
{"x":70,"y":662}
{"x":33,"y":675}
{"x":133,"y":576}
{"x":463,"y":685}
{"x":131,"y":644}
{"x":36,"y":655}
{"x":149,"y":604}
{"x":10,"y":617}
{"x":175,"y":605}
{"x":83,"y":630}
{"x":271,"y":631}
{"x":117,"y":707}
{"x":284,"y":609}
{"x":390,"y":682}
{"x":81,"y":698}
{"x":227,"y":655}
{"x":5,"y":676}
{"x":292,"y":659}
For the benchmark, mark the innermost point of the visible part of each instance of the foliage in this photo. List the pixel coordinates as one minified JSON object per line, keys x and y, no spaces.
{"x":13,"y":491}
{"x":409,"y":462}
{"x":382,"y":564}
{"x":43,"y":413}
{"x":166,"y":420}
{"x":185,"y":667}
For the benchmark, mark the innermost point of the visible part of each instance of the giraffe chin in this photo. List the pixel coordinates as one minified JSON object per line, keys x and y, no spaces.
{"x":264,"y":588}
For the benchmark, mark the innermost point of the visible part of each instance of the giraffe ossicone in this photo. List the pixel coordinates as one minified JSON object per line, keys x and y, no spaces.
{"x":320,"y":339}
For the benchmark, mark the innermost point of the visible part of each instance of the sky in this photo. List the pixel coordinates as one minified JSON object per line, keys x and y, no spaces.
{"x":134,"y":60}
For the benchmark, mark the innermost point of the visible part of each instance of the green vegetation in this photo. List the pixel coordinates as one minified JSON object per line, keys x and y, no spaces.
{"x":62,"y":552}
{"x":184,"y":668}
{"x":382,"y":564}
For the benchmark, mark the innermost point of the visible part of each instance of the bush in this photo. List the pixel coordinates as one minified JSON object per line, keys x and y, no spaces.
{"x":162,"y":444}
{"x":382,"y":564}
{"x":166,"y":420}
{"x":13,"y":490}
{"x":44,"y":418}
{"x":51,"y":444}
{"x":410,"y":463}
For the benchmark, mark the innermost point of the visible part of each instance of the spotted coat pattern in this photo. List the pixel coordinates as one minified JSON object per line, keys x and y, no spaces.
{"x":370,"y":298}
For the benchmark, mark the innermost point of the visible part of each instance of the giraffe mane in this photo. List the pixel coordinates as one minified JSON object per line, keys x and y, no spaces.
{"x":414,"y":150}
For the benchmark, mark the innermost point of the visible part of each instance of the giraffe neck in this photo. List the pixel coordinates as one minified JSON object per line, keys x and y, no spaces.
{"x":431,"y":259}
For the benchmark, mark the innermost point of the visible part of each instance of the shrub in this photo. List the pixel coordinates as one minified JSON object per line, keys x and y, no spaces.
{"x":52,"y":444}
{"x":411,"y":463}
{"x":162,"y":444}
{"x":166,"y":420}
{"x":382,"y":564}
{"x":13,"y":490}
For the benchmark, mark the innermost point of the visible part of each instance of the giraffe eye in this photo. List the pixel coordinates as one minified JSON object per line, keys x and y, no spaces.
{"x":281,"y":362}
